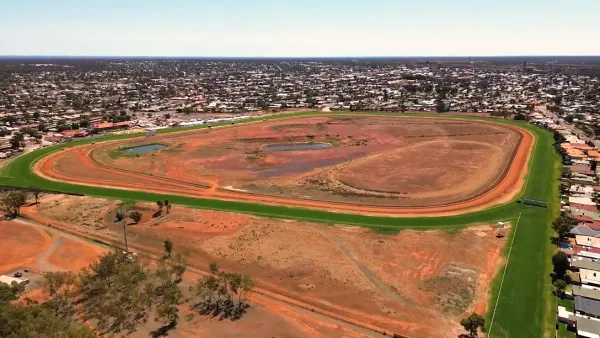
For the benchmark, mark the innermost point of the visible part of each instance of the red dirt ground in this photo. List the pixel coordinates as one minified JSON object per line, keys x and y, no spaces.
{"x":21,"y":245}
{"x":75,"y":255}
{"x":395,"y":283}
{"x":212,"y":158}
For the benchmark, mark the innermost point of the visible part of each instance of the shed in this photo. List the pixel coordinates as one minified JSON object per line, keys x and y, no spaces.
{"x":9,"y":280}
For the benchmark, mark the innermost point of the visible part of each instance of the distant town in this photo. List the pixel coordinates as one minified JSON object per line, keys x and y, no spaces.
{"x":44,"y":102}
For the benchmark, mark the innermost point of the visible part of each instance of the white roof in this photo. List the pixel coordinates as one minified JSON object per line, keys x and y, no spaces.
{"x":581,"y":200}
{"x":8,"y":280}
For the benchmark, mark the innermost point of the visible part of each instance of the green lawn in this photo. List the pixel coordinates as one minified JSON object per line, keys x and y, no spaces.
{"x":568,"y":304}
{"x":523,"y":308}
{"x":563,"y":331}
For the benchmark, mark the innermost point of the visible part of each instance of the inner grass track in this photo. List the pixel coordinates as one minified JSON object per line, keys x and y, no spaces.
{"x":524,"y":302}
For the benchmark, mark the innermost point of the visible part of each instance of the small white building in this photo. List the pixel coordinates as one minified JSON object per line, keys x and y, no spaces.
{"x":9,"y":280}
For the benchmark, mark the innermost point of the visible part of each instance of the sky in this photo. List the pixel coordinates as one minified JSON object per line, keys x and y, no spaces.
{"x":298,"y":28}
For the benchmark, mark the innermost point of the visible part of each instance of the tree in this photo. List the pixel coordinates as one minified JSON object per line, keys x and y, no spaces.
{"x":60,"y":286}
{"x":562,"y":225}
{"x":440,"y":106}
{"x":569,"y":118}
{"x":561,"y":264}
{"x":36,"y":194}
{"x":166,"y":292}
{"x":12,"y":201}
{"x":168,"y":247}
{"x":135,"y":216}
{"x":160,"y":206}
{"x":28,"y":131}
{"x":560,"y":285}
{"x":8,"y":293}
{"x":116,"y":292}
{"x":566,"y":172}
{"x":167,"y":206}
{"x":473,"y":324}
{"x":16,"y":140}
{"x":218,"y":290}
{"x":34,"y":320}
{"x":246,"y":285}
{"x":121,"y":216}
{"x":188,"y":110}
{"x":213,"y":268}
{"x":167,"y":116}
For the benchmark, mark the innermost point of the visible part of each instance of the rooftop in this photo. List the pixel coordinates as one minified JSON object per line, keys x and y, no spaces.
{"x":586,"y":292}
{"x":587,"y":305}
{"x":585,"y":264}
{"x":584,"y":230}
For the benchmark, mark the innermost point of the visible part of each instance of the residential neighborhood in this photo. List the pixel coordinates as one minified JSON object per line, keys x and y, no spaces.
{"x":46,"y":103}
{"x":578,"y":305}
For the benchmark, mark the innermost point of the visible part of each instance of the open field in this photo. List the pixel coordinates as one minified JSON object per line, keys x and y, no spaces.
{"x":416,"y":283}
{"x":448,"y":166}
{"x":20,"y":246}
{"x":523,"y":304}
{"x":26,"y":246}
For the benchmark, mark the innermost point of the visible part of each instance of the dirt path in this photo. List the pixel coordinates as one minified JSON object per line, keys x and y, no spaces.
{"x":297,"y":317}
{"x":42,"y":262}
{"x":379,"y":285}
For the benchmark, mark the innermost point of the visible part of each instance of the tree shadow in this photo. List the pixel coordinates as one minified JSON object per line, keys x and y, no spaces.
{"x":163,"y":330}
{"x":223,"y":310}
{"x":555,"y":240}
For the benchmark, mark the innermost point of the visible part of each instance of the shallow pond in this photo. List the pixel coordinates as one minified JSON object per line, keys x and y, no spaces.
{"x":145,"y":148}
{"x":296,"y":146}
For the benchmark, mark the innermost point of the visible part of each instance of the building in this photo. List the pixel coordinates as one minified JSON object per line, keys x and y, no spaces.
{"x":74,"y":133}
{"x":589,"y":271}
{"x":587,"y":307}
{"x":588,"y":328}
{"x":100,"y":127}
{"x":9,"y":280}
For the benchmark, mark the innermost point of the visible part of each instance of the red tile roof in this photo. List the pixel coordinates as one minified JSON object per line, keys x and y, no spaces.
{"x":580,"y":248}
{"x":108,"y":125}
{"x":586,"y":219}
{"x":591,"y":208}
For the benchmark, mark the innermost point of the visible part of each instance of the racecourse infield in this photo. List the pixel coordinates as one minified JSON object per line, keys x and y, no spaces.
{"x":522,"y":308}
{"x":482,"y":174}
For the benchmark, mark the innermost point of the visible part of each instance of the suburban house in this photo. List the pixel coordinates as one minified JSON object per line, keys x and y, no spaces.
{"x":587,"y":328}
{"x":581,"y":200}
{"x":109,"y":126}
{"x":589,"y":271}
{"x":74,"y":133}
{"x":587,"y":236}
{"x":587,"y":306}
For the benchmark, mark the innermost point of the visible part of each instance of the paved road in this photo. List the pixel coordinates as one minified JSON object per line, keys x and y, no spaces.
{"x":570,"y":127}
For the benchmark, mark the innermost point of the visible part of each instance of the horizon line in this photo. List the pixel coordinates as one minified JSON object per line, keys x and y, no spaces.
{"x":292,"y":57}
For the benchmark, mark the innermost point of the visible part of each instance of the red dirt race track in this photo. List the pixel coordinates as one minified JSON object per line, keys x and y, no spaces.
{"x":231,"y":163}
